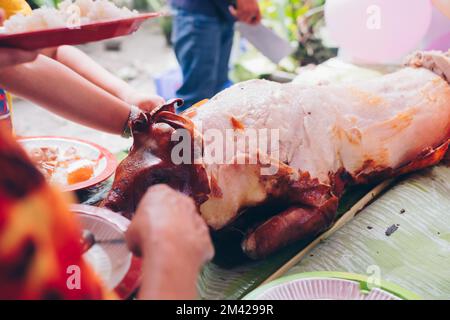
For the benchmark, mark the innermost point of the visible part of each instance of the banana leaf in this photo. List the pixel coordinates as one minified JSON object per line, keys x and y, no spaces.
{"x":222,"y":282}
{"x":405,"y":234}
{"x":414,"y":254}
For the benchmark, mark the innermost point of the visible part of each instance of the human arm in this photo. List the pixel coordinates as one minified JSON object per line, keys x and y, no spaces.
{"x":174,"y":242}
{"x":10,"y":57}
{"x":64,"y":92}
{"x":85,"y":66}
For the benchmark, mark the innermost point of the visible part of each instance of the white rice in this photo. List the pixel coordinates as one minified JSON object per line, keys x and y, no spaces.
{"x":47,"y":18}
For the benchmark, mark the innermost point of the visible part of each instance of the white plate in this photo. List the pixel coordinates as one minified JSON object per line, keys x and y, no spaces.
{"x":112,"y":261}
{"x":328,"y":286}
{"x":106,"y":165}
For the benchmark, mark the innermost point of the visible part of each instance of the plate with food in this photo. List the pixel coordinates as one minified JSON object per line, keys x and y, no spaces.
{"x":70,"y":163}
{"x":72,"y":23}
{"x":106,"y":251}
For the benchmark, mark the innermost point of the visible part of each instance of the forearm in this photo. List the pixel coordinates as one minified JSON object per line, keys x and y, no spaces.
{"x":168,"y":274}
{"x":82,"y":64}
{"x":66,"y":93}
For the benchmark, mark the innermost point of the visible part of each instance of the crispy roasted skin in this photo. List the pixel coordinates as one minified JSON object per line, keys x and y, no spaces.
{"x":297,"y":223}
{"x":331,"y":136}
{"x":149,"y":163}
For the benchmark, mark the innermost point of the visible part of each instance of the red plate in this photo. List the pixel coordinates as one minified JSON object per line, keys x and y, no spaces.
{"x":107,"y":163}
{"x":66,"y":36}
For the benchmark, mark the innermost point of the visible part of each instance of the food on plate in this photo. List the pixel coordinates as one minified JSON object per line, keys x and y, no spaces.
{"x":80,"y":171}
{"x":330,"y":136}
{"x":63,"y":168}
{"x":67,"y":14}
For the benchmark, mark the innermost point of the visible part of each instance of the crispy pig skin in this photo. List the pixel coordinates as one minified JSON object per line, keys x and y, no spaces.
{"x":149,"y":163}
{"x":368,"y":130}
{"x":298,"y":223}
{"x":293,"y":223}
{"x":330,"y":136}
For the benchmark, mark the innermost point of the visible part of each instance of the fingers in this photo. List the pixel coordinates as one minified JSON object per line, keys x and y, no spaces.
{"x":161,"y":195}
{"x":209,"y":249}
{"x":145,"y":102}
{"x":2,"y":16}
{"x":246,"y":12}
{"x":151,"y":102}
{"x":257,"y":18}
{"x":133,"y":239}
{"x":151,"y":205}
{"x":172,"y":217}
{"x":233,"y":12}
{"x":11,"y":57}
{"x":242,"y":15}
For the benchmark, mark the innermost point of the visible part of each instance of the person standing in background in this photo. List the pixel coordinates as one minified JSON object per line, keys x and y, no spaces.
{"x":203,"y":37}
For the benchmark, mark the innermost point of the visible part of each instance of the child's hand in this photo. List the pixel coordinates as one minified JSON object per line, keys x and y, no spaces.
{"x":145,"y":102}
{"x":10,"y":57}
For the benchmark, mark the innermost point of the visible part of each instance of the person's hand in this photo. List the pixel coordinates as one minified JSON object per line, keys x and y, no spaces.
{"x":145,"y":102}
{"x":167,"y":219}
{"x":247,"y":11}
{"x":11,"y":57}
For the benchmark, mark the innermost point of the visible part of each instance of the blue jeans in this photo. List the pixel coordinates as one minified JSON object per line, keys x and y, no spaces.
{"x":203,"y":46}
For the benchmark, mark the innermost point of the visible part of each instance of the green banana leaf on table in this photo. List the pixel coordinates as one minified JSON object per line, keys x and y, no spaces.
{"x":404,"y":235}
{"x":218,"y":282}
{"x":416,"y":256}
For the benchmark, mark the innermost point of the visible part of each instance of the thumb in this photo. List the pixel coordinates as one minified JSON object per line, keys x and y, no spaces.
{"x":2,"y":16}
{"x":233,"y":11}
{"x":148,"y":103}
{"x":10,"y":57}
{"x":134,"y":241}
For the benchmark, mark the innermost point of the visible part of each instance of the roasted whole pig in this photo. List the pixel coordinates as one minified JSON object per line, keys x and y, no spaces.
{"x":323,"y":138}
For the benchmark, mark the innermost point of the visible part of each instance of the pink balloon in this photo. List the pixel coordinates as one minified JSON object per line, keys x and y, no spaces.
{"x":442,"y":43}
{"x":378,"y":31}
{"x":443,"y":6}
{"x":437,"y":37}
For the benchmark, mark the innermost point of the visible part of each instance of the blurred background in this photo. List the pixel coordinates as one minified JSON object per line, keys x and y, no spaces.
{"x":146,"y":59}
{"x":301,"y":22}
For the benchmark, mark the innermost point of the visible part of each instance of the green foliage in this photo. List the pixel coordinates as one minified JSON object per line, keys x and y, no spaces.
{"x":299,"y":21}
{"x":283,"y":15}
{"x":47,"y":3}
{"x":157,"y":5}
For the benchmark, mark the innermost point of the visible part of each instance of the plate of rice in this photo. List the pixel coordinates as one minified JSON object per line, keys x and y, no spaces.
{"x":73,"y":22}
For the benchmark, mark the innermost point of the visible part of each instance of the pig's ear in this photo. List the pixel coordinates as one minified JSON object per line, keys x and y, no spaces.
{"x":162,"y":114}
{"x":170,"y":106}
